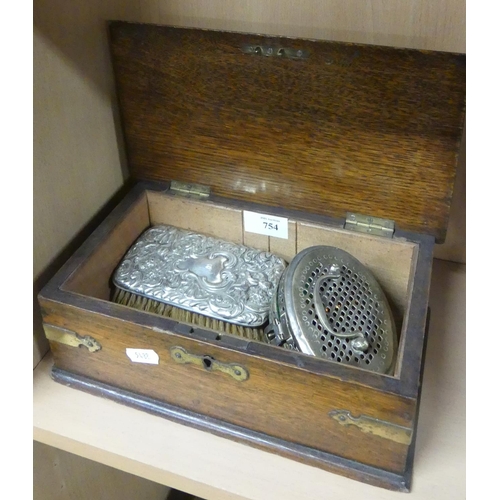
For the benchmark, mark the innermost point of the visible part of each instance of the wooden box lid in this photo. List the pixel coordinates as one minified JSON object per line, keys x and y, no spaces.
{"x":334,"y":128}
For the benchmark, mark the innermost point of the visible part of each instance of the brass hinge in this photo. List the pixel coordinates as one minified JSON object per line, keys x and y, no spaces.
{"x":190,"y":190}
{"x":370,"y":225}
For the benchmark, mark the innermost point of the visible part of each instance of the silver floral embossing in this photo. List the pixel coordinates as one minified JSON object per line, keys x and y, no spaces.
{"x":202,"y":274}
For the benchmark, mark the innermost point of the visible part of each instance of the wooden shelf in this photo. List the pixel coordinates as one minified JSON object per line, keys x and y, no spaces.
{"x":216,"y":468}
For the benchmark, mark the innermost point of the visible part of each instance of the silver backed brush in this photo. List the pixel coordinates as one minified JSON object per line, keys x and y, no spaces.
{"x":170,"y":267}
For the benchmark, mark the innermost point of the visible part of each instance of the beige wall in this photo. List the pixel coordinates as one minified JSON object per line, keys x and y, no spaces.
{"x":78,"y":155}
{"x":77,"y":162}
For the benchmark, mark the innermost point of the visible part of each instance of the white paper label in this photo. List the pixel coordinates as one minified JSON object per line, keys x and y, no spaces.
{"x":269,"y":225}
{"x":147,"y":356}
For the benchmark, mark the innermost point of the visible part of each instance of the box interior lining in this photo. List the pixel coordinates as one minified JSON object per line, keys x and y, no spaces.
{"x":391,"y":261}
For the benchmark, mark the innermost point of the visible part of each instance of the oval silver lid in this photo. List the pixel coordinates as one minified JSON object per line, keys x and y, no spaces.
{"x":338,"y":311}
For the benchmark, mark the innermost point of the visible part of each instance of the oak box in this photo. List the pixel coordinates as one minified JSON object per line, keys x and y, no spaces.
{"x":301,"y":129}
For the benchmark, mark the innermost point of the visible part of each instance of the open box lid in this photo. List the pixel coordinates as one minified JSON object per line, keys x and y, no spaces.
{"x":317,"y":126}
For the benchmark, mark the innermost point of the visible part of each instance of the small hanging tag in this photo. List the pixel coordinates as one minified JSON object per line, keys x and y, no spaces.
{"x":269,"y":225}
{"x":147,"y":356}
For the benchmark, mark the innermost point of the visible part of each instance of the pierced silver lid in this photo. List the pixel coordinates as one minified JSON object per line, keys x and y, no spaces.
{"x":330,"y":305}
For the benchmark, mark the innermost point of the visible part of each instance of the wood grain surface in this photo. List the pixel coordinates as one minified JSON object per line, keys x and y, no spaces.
{"x":366,"y":129}
{"x":258,"y":403}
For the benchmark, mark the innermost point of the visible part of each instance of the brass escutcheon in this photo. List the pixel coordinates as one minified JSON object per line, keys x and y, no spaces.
{"x":180,"y":355}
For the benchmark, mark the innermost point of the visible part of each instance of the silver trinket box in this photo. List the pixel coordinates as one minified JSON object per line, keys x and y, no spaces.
{"x":201,"y":274}
{"x":328,"y":304}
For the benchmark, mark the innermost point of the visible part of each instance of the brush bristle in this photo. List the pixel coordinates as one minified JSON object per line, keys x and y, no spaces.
{"x":135,"y":301}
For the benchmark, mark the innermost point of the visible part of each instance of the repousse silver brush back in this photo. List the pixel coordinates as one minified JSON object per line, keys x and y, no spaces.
{"x":205,"y":275}
{"x":329,"y":304}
